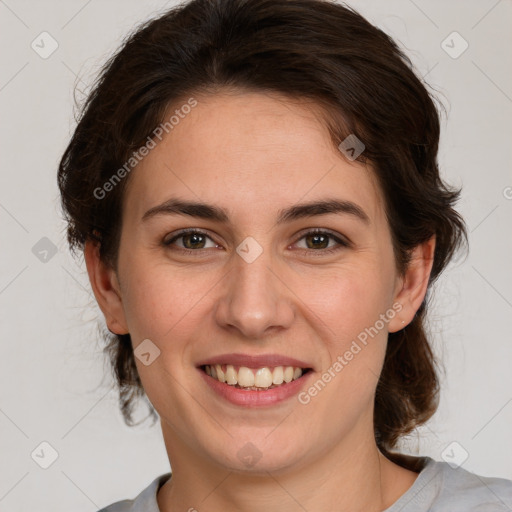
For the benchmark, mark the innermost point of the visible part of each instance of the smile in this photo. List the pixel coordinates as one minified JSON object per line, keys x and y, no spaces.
{"x":254,"y":379}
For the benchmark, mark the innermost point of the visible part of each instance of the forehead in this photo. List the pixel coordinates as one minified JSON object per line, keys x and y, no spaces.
{"x":250,"y":153}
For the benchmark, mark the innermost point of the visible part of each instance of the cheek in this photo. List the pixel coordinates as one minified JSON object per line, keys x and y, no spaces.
{"x":348,"y":312}
{"x":167,"y":305}
{"x":161,"y":305}
{"x":347,"y":302}
{"x":154,"y":299}
{"x":348,"y":306}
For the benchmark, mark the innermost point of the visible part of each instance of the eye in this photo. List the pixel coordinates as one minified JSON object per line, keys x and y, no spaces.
{"x":317,"y":240}
{"x":192,"y":239}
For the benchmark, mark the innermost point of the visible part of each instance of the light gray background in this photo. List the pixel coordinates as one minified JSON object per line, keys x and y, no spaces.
{"x":52,"y":365}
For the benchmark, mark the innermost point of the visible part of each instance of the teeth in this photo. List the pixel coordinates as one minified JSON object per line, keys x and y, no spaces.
{"x":246,"y":377}
{"x":278,"y":375}
{"x":231,"y":376}
{"x":288,"y":374}
{"x":220,"y":374}
{"x":262,"y":378}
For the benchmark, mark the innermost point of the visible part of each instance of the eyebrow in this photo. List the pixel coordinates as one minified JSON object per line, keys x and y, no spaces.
{"x":298,"y":211}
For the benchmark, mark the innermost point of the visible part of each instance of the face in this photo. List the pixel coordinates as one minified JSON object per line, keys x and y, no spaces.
{"x":268,"y":282}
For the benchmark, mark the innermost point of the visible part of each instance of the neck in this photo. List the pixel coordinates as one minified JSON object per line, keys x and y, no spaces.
{"x":354,"y":476}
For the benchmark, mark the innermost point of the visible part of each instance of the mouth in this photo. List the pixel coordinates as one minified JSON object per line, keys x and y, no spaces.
{"x":254,"y":379}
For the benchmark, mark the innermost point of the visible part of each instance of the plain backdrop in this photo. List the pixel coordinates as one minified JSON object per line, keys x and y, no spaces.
{"x":56,"y":388}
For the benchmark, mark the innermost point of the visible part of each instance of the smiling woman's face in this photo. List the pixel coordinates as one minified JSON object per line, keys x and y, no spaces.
{"x":255,"y":283}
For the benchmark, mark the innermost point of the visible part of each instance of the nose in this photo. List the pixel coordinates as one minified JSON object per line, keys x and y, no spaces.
{"x":256,"y":299}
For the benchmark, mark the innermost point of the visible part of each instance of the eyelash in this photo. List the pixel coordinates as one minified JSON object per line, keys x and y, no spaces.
{"x":341,"y":243}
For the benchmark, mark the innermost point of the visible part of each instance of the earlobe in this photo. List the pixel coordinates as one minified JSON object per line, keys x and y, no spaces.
{"x":414,"y":284}
{"x":105,"y":286}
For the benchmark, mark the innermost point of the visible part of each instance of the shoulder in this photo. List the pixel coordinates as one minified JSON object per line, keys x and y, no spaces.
{"x":118,"y":506}
{"x":145,"y":502}
{"x":460,"y":489}
{"x":439,"y":487}
{"x":455,"y":489}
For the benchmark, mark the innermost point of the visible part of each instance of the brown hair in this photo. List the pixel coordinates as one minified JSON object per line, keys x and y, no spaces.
{"x":304,"y":49}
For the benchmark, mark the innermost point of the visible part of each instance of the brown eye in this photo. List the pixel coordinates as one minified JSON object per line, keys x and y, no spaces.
{"x":191,"y":240}
{"x":321,"y":241}
{"x":317,"y":241}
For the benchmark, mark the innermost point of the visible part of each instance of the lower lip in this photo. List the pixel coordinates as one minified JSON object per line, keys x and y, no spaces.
{"x":251,"y":398}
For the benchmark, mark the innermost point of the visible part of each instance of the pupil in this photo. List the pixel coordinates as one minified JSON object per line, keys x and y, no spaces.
{"x":318,"y":237}
{"x":192,"y":236}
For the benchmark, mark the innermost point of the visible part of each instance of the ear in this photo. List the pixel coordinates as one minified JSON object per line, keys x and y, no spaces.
{"x":412,"y":287}
{"x":105,"y":286}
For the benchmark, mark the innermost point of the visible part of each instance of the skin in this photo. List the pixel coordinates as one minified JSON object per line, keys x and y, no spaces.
{"x":254,"y":154}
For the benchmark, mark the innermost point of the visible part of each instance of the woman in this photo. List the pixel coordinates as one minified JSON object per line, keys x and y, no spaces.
{"x":255,"y":189}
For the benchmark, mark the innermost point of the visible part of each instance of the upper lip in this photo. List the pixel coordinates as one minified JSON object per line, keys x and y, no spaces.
{"x":255,"y":361}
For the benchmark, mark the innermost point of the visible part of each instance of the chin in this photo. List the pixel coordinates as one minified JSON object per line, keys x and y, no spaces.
{"x":260,"y":454}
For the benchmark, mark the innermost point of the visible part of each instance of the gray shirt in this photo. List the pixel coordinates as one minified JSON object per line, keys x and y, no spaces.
{"x":438,"y":488}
